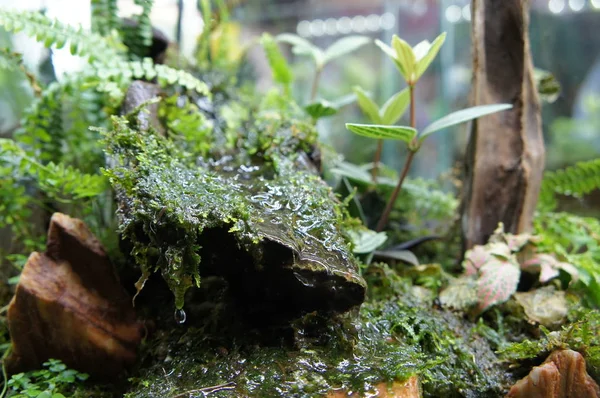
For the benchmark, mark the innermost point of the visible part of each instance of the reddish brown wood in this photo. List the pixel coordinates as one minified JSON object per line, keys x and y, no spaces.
{"x":562,"y":375}
{"x":70,"y":305}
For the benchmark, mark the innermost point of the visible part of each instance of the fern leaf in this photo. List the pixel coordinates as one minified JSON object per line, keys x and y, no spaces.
{"x":280,"y":69}
{"x":54,"y":34}
{"x":577,"y":180}
{"x":104,"y":16}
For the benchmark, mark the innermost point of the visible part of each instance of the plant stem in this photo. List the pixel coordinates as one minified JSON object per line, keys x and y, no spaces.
{"x":411,"y":154}
{"x":388,"y":208}
{"x":376,"y":160}
{"x":315,"y":84}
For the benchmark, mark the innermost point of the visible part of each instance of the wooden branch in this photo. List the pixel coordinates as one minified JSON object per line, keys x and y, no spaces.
{"x":505,"y":155}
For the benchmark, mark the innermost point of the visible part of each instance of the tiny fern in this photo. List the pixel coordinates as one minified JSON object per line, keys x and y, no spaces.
{"x":577,"y":180}
{"x":104,"y":16}
{"x":54,"y":34}
{"x":58,"y":181}
{"x":138,"y":37}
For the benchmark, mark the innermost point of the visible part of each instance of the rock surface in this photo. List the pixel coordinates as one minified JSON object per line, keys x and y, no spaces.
{"x":69,"y":305}
{"x":562,"y":375}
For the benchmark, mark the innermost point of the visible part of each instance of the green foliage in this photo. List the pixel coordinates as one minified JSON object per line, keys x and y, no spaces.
{"x":577,"y":180}
{"x":54,"y":34}
{"x":322,"y":57}
{"x":581,"y":334}
{"x":105,"y":17}
{"x":402,"y":133}
{"x":390,"y":112}
{"x":420,"y":199}
{"x":138,"y":38}
{"x":280,"y":69}
{"x":548,"y":87}
{"x":574,"y":240}
{"x":186,"y":126}
{"x":55,"y":380}
{"x":412,"y":62}
{"x":492,"y":271}
{"x":323,"y":108}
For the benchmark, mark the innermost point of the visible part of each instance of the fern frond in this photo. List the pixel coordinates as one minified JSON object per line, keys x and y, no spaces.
{"x":104,"y":16}
{"x":55,"y":34}
{"x":115,"y":79}
{"x":577,"y":180}
{"x":138,"y":36}
{"x":280,"y":69}
{"x":56,"y":180}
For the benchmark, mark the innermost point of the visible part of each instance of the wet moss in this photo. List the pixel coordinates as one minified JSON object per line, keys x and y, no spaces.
{"x":169,"y":201}
{"x":387,"y":339}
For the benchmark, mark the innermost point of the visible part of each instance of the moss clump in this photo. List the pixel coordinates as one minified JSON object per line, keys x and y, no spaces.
{"x":169,"y":203}
{"x":581,"y":333}
{"x":389,"y":339}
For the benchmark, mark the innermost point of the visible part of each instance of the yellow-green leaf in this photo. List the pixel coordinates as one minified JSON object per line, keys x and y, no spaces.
{"x":395,"y":107}
{"x":428,"y":57}
{"x":402,"y":133}
{"x":405,"y":56}
{"x":367,"y":105}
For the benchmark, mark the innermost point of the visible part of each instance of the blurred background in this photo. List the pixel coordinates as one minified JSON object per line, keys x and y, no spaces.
{"x":564,"y":41}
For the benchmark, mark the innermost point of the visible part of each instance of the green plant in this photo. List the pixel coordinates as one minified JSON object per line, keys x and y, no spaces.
{"x":412,"y":62}
{"x":574,"y":240}
{"x":577,"y":180}
{"x":492,"y":271}
{"x":322,"y":57}
{"x":54,"y":380}
{"x":388,"y":114}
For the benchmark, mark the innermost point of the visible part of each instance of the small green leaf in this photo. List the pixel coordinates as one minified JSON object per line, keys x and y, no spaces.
{"x":462,"y":116}
{"x":402,"y":133}
{"x":367,"y":105}
{"x":321,"y":108}
{"x":366,"y":241}
{"x":406,"y":57}
{"x":282,"y":73}
{"x":547,"y":86}
{"x":424,"y":61}
{"x":343,"y":101}
{"x":302,"y":46}
{"x":344,"y":46}
{"x":392,"y":54}
{"x":401,"y":255}
{"x":395,"y":107}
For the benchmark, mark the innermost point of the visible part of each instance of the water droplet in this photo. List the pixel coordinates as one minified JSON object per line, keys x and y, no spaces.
{"x":304,"y":280}
{"x":180,"y":316}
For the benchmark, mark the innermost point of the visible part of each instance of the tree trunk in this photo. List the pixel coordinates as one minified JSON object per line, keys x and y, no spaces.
{"x":505,"y":155}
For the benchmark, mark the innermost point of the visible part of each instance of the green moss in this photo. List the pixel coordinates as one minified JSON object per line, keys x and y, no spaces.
{"x":581,"y":334}
{"x":168,"y":202}
{"x":388,"y":339}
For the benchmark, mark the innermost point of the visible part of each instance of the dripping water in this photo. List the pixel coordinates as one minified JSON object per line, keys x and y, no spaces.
{"x":180,"y":316}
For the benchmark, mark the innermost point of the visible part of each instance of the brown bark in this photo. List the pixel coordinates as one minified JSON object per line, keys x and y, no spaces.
{"x":505,"y":155}
{"x":69,"y":305}
{"x":562,"y":375}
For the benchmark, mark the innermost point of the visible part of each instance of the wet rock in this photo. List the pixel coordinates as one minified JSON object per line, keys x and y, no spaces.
{"x":562,"y":375}
{"x":69,"y":305}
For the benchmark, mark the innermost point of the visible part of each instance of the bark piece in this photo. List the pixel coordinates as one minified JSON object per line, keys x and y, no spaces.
{"x":69,"y":305}
{"x":505,"y":155}
{"x":562,"y":375}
